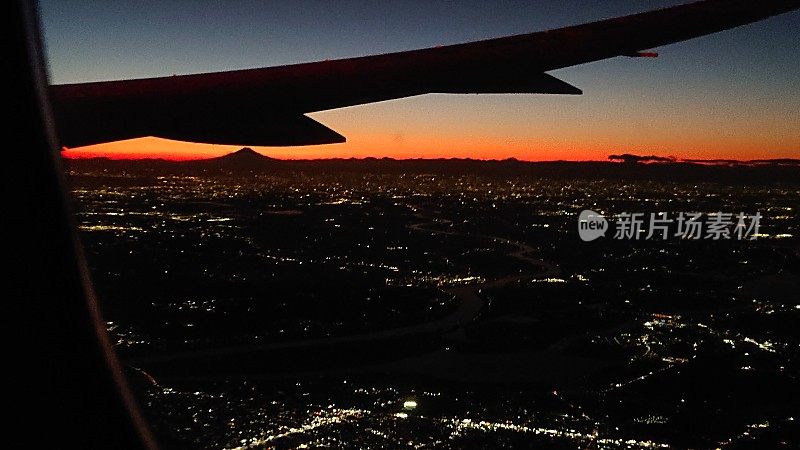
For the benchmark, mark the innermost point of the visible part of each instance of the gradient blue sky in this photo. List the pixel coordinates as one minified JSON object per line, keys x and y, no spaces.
{"x":734,"y":94}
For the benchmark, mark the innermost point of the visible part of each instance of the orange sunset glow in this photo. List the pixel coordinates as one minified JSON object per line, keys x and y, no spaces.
{"x":530,"y":128}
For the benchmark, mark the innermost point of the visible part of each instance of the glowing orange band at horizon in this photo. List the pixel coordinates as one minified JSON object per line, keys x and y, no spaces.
{"x":421,"y":147}
{"x":541,"y":128}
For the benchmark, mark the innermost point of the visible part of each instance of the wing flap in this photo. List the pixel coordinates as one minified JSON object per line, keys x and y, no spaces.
{"x":97,"y":122}
{"x":538,"y":83}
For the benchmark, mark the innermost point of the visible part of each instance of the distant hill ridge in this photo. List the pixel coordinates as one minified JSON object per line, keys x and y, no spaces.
{"x":248,"y":161}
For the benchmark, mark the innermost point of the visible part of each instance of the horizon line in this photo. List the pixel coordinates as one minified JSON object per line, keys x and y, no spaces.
{"x":626,"y":158}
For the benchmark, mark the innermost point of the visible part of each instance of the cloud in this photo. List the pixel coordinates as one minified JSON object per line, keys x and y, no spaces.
{"x":629,"y":158}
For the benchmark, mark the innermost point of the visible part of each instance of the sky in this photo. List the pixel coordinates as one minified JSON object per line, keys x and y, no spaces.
{"x":733,"y":95}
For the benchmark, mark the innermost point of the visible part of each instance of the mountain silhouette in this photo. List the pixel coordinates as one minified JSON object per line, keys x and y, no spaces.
{"x":245,"y":159}
{"x":243,"y":154}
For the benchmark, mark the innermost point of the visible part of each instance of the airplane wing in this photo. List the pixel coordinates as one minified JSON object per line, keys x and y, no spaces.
{"x":267,"y":106}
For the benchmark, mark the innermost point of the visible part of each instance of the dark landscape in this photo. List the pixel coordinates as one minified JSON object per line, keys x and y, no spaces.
{"x":263,"y":303}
